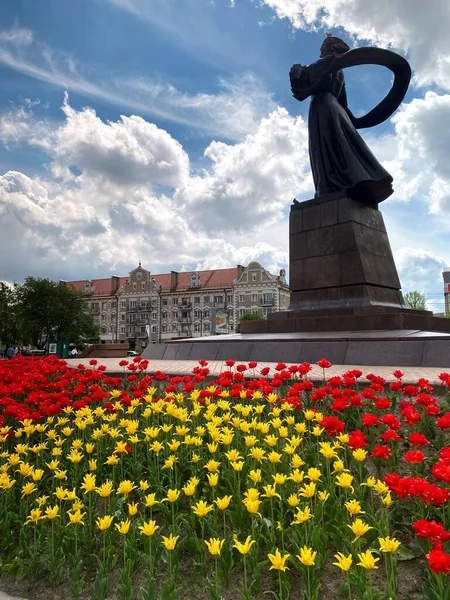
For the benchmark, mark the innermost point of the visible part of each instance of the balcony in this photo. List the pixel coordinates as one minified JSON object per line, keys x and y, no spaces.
{"x":219,"y":304}
{"x":186,"y":320}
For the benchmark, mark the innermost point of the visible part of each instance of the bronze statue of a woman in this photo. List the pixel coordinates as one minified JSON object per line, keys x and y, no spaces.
{"x":340,"y":159}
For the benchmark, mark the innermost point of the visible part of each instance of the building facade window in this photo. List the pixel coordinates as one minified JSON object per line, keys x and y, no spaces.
{"x":197,"y":327}
{"x":206,"y":327}
{"x":254,"y":276}
{"x":132,"y":304}
{"x":197,"y":300}
{"x":241,"y":297}
{"x":153,"y":328}
{"x":206,"y":299}
{"x":154,"y":316}
{"x":123,"y":304}
{"x":254,"y":297}
{"x":206,"y":314}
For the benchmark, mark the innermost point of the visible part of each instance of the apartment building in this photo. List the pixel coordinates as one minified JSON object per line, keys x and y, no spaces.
{"x":144,"y":308}
{"x":446,"y":278}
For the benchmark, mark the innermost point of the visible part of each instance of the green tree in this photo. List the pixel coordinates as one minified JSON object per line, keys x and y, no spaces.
{"x":415,"y":300}
{"x":48,"y":310}
{"x":8,"y":315}
{"x":248,"y":317}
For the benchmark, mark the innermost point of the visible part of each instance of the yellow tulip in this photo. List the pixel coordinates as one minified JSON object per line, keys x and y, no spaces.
{"x":255,"y":475}
{"x":201,"y":509}
{"x":132,"y":508}
{"x":307,"y":556}
{"x":343,"y":562}
{"x":170,"y":542}
{"x":308,"y":490}
{"x":51,"y":512}
{"x":359,"y":528}
{"x":34,"y":516}
{"x":148,"y":528}
{"x":270,"y":492}
{"x":278,"y":561}
{"x":123,"y":527}
{"x":244,"y":548}
{"x":359,"y":454}
{"x":125,"y":487}
{"x":105,"y":490}
{"x":76,"y":517}
{"x":252,"y":506}
{"x":301,"y":516}
{"x":388,"y":544}
{"x":367,"y":560}
{"x":214,"y":546}
{"x":88,"y":484}
{"x":150,"y":500}
{"x":354,"y":508}
{"x":344,"y":480}
{"x":172,"y":496}
{"x":104,"y":523}
{"x":223,"y":503}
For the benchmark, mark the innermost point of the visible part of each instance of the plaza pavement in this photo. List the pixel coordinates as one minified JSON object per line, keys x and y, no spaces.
{"x":184,"y":367}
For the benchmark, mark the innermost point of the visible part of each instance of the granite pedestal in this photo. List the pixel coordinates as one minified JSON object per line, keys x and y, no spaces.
{"x":342,"y":274}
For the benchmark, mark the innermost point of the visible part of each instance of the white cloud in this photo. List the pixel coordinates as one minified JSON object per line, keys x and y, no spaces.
{"x":232,"y":111}
{"x":120,"y":202}
{"x":128,"y":151}
{"x":16,"y":36}
{"x":249,"y":184}
{"x":421,"y":30}
{"x":421,"y":270}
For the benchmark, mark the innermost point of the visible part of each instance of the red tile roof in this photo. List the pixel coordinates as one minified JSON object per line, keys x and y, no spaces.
{"x":99,"y":287}
{"x":214,"y":279}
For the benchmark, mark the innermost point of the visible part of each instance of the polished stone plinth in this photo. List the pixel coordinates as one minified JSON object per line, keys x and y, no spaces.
{"x":340,"y":257}
{"x":396,"y":348}
{"x":342,"y":274}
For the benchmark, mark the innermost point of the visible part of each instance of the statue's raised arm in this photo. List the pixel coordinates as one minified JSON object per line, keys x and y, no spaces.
{"x":340,"y":159}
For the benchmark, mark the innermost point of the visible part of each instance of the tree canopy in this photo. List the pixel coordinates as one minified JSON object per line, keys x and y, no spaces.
{"x":415,"y":300}
{"x":41,"y":310}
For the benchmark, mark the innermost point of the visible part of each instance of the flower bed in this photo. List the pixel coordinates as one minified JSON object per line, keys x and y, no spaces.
{"x":159,"y":486}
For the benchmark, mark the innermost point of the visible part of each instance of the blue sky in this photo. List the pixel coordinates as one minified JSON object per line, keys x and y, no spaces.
{"x":165,"y":131}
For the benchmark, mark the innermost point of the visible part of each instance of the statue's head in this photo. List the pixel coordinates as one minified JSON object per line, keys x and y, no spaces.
{"x":333,"y":45}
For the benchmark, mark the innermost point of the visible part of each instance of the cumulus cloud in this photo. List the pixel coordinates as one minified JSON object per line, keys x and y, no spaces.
{"x":403,"y":24}
{"x":119,"y":192}
{"x":421,"y":270}
{"x":249,"y":184}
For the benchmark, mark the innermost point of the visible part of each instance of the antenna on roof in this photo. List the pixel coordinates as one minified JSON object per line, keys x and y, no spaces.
{"x":139,"y":263}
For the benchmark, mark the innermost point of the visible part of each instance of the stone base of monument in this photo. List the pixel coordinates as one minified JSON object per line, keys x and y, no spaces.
{"x":342,"y":274}
{"x":395,"y":348}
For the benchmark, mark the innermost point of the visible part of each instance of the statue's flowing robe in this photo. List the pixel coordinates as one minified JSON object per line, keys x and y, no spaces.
{"x":340,"y":159}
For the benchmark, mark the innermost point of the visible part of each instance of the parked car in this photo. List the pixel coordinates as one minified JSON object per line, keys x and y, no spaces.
{"x":132,"y":353}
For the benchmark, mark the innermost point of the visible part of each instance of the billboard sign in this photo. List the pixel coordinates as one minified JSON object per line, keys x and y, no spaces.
{"x":221,"y":322}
